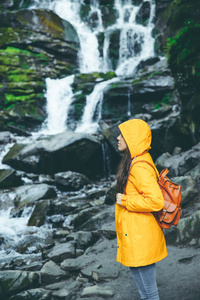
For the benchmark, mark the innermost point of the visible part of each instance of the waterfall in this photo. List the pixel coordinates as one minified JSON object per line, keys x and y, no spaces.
{"x":94,"y":101}
{"x":135,"y":44}
{"x":59,"y":95}
{"x":136,"y":41}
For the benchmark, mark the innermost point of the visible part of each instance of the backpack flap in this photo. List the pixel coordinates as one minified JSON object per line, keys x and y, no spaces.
{"x":168,"y":213}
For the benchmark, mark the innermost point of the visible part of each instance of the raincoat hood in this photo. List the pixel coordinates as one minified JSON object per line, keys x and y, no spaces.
{"x":137,"y":135}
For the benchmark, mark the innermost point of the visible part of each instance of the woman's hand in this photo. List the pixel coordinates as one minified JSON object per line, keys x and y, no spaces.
{"x":118,"y":198}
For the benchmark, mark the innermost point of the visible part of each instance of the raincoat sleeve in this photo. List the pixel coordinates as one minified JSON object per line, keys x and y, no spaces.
{"x":144,"y":194}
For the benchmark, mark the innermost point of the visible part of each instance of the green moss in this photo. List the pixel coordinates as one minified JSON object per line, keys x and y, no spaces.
{"x":184,"y":55}
{"x":14,"y":50}
{"x":181,"y":10}
{"x":22,"y":98}
{"x":167,"y":100}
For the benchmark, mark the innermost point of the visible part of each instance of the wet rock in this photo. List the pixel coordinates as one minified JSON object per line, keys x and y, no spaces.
{"x":33,"y":266}
{"x":186,"y":233}
{"x":57,"y":285}
{"x":31,"y":193}
{"x":113,"y":49}
{"x":132,"y":95}
{"x":108,"y":230}
{"x":38,"y":215}
{"x":9,"y":178}
{"x":143,"y":14}
{"x":67,"y":151}
{"x":102,"y":291}
{"x":82,"y":239}
{"x":60,"y":234}
{"x":38,"y":44}
{"x":6,"y":137}
{"x":73,"y":264}
{"x":62,"y":252}
{"x":161,"y":112}
{"x":70,"y":181}
{"x":31,"y":243}
{"x":180,"y":164}
{"x":96,"y":194}
{"x":15,"y":281}
{"x":109,"y":14}
{"x":111,"y":194}
{"x":100,"y":272}
{"x":175,"y":132}
{"x":51,"y":273}
{"x":95,"y":222}
{"x":6,"y":200}
{"x":39,"y":294}
{"x":45,"y":179}
{"x":104,"y":272}
{"x":66,"y":292}
{"x":84,"y":215}
{"x":56,"y":220}
{"x":189,"y":190}
{"x":195,"y":172}
{"x":18,"y":131}
{"x":62,"y":207}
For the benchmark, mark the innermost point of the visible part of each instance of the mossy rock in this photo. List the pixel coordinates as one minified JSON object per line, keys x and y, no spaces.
{"x":184,"y":56}
{"x":77,"y":107}
{"x":109,"y":14}
{"x":143,"y":14}
{"x":86,"y":82}
{"x":114,"y":47}
{"x":180,"y":11}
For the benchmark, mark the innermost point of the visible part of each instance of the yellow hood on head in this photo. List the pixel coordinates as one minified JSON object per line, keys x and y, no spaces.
{"x":137,"y":135}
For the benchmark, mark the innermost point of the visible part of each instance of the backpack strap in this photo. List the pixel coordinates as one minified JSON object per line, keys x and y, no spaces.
{"x":149,"y":165}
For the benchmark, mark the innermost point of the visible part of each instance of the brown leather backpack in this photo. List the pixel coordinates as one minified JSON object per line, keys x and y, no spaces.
{"x":171,"y":191}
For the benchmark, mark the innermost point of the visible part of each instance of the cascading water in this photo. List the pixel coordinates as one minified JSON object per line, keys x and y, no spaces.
{"x":136,"y":43}
{"x":94,"y":100}
{"x":59,"y":95}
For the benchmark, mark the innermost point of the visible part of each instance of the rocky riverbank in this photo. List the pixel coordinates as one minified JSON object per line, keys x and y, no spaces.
{"x":68,"y":249}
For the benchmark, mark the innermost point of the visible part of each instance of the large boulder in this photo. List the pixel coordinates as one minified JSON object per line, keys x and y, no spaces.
{"x":26,"y":194}
{"x":9,"y":178}
{"x":182,"y":163}
{"x":186,"y":233}
{"x":51,"y":273}
{"x":70,"y":181}
{"x":38,"y":216}
{"x":170,"y":132}
{"x":39,"y":294}
{"x":62,"y":252}
{"x":66,"y":151}
{"x":16,"y":281}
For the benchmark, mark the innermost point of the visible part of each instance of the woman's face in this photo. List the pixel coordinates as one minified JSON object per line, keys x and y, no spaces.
{"x":121,"y":143}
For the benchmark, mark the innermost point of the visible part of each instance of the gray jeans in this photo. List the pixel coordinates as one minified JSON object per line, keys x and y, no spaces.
{"x":145,"y":280}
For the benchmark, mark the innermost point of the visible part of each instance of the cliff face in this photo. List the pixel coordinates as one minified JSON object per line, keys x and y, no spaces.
{"x":178,"y":29}
{"x":34,"y":45}
{"x":37,"y":43}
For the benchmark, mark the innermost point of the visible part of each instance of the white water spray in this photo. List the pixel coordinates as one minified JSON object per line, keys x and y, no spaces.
{"x":59,"y":97}
{"x":94,"y":100}
{"x":135,"y":44}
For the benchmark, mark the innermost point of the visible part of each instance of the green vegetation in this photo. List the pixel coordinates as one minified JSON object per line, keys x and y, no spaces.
{"x":184,"y":55}
{"x":183,"y":44}
{"x":167,"y":100}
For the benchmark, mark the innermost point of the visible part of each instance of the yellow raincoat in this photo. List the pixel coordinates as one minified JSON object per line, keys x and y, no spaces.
{"x":140,"y":240}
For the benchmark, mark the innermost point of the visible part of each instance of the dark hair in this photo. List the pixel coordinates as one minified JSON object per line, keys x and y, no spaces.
{"x":123,"y":172}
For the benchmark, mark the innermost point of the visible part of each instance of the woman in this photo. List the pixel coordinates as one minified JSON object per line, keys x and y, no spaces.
{"x":141,"y":242}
